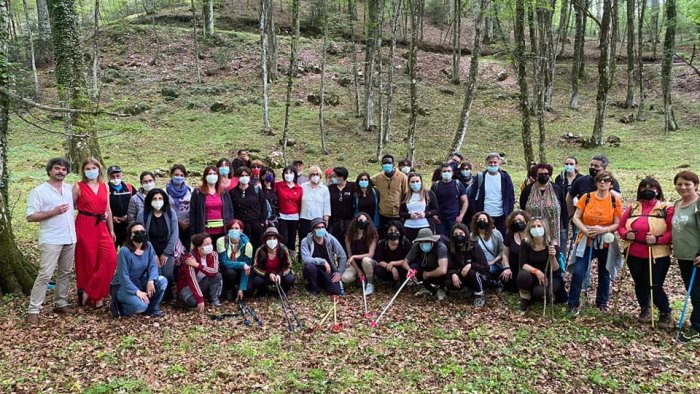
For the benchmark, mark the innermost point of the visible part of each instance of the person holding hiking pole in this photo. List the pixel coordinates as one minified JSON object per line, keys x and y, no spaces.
{"x":647,"y":224}
{"x":536,"y":253}
{"x":686,"y":244}
{"x":597,"y":213}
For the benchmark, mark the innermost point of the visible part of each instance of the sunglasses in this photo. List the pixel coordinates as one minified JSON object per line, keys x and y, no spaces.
{"x":605,"y":180}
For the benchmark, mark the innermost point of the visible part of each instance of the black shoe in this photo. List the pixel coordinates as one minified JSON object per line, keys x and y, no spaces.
{"x":524,"y":305}
{"x":644,"y":315}
{"x":690,"y":336}
{"x":573,"y":312}
{"x":665,"y":321}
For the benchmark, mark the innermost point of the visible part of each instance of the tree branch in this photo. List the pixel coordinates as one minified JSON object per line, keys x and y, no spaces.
{"x":587,"y":12}
{"x":689,"y":63}
{"x":42,"y":128}
{"x":34,"y":104}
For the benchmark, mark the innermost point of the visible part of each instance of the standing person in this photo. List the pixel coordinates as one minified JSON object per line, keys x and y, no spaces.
{"x":646,"y":225}
{"x":342,"y":203}
{"x":148,"y":183}
{"x":141,"y":289}
{"x":289,"y":194}
{"x":468,"y":270}
{"x":512,"y":243}
{"x":536,"y":252}
{"x":249,"y":206}
{"x":160,"y":221}
{"x":268,"y":189}
{"x":51,"y":205}
{"x":490,"y":240}
{"x":405,"y":166}
{"x":242,"y":160}
{"x":361,"y":244}
{"x":564,"y":180}
{"x":95,"y":258}
{"x":180,"y":195}
{"x":324,"y":260}
{"x":299,"y":170}
{"x":199,"y":275}
{"x":211,"y":206}
{"x":272,"y":265}
{"x":390,"y":253}
{"x":494,"y":193}
{"x":418,"y":208}
{"x":597,"y":213}
{"x":255,"y":170}
{"x":686,"y":244}
{"x":315,"y":202}
{"x":543,"y":198}
{"x":451,"y":199}
{"x":428,"y":256}
{"x":392,"y":186}
{"x":236,"y":259}
{"x":366,"y":197}
{"x":228,"y":181}
{"x":586,"y":183}
{"x":465,"y":170}
{"x":120,"y":194}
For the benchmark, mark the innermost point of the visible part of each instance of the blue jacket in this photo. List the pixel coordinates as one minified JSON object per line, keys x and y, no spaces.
{"x":476,"y":192}
{"x":245,"y":256}
{"x":134,"y":272}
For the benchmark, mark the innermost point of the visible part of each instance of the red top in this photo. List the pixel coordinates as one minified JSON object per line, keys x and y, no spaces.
{"x":641,"y":228}
{"x":214,"y":210}
{"x":289,"y":198}
{"x":273,"y":265}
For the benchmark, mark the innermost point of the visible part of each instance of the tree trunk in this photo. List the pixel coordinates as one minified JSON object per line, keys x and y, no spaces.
{"x":30,"y":35}
{"x":266,"y":129}
{"x":578,"y":61}
{"x":521,"y":73}
{"x":548,"y":53}
{"x":208,"y":16}
{"x":640,"y":63}
{"x":563,"y":29}
{"x":95,"y":54}
{"x":14,"y":269}
{"x":604,"y":70}
{"x":396,"y":13}
{"x":272,"y":42}
{"x":415,"y":15}
{"x":456,"y":41}
{"x":44,"y":28}
{"x":541,"y":59}
{"x":355,"y":77}
{"x":293,"y":55}
{"x":654,"y":25}
{"x":370,"y":53}
{"x":488,"y":28}
{"x":630,"y":101}
{"x":322,"y":93}
{"x":471,"y":82}
{"x":196,"y":43}
{"x":667,"y":66}
{"x":71,"y":82}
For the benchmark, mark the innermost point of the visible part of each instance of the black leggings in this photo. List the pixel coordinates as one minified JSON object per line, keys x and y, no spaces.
{"x":474,"y":280}
{"x":639,"y":269}
{"x":528,"y":284}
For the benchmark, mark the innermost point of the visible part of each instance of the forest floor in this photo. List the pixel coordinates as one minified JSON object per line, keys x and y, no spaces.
{"x":423,"y":345}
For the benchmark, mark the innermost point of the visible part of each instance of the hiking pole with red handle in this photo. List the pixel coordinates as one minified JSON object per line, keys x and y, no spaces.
{"x":337,"y":327}
{"x":364,"y":297}
{"x":410,"y":275}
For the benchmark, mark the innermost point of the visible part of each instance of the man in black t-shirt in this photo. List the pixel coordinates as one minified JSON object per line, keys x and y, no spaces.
{"x":428,"y":256}
{"x":586,"y":184}
{"x":120,"y":193}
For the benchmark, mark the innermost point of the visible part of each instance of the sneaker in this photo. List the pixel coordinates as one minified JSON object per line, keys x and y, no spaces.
{"x":369,"y":288}
{"x":64,"y":310}
{"x":665,"y":321}
{"x":216,"y":302}
{"x":33,"y":319}
{"x":603,"y":308}
{"x":573,"y":312}
{"x":466,"y":293}
{"x":524,"y":305}
{"x":690,"y":336}
{"x":644,"y":315}
{"x":422,"y":292}
{"x":480,"y":302}
{"x":440,"y":293}
{"x":157,"y":315}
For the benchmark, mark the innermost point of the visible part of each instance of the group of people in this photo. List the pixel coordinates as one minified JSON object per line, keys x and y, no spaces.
{"x":238,"y":232}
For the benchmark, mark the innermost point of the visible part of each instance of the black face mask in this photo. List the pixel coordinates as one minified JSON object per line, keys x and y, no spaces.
{"x":140,"y":236}
{"x":592,"y":172}
{"x":460,"y":239}
{"x":647,"y":194}
{"x":482,"y":225}
{"x":519,"y":226}
{"x":362,"y":225}
{"x":393,"y":236}
{"x":542,"y":179}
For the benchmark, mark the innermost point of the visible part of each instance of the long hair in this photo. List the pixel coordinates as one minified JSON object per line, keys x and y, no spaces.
{"x":204,"y":185}
{"x":547,"y":234}
{"x":650,"y":182}
{"x":91,"y":160}
{"x":421,"y":192}
{"x":129,"y":243}
{"x":475,"y":229}
{"x":370,"y":233}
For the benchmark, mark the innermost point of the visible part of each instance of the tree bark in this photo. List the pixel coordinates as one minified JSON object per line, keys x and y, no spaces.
{"x":640,"y":63}
{"x":14,"y":269}
{"x":563,"y":29}
{"x":208,"y":16}
{"x":293,"y":55}
{"x":667,"y":66}
{"x":95,"y":54}
{"x":196,"y":43}
{"x":355,"y":77}
{"x":654,"y":25}
{"x":415,"y":15}
{"x":521,"y":73}
{"x":578,"y":61}
{"x":549,"y":53}
{"x":541,"y":59}
{"x":30,"y":36}
{"x":396,"y":13}
{"x":272,"y":42}
{"x":630,"y":101}
{"x":71,"y":82}
{"x":472,"y":81}
{"x":604,"y":70}
{"x":266,"y":129}
{"x":456,"y":41}
{"x":370,"y":53}
{"x":322,"y":94}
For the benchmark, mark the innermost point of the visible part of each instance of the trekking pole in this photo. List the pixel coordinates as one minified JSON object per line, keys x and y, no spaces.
{"x":685,"y":304}
{"x":651,"y":285}
{"x":622,"y":271}
{"x":552,"y":260}
{"x":258,"y":320}
{"x":290,"y":307}
{"x":410,"y":275}
{"x":290,"y":328}
{"x":326,"y":316}
{"x":337,"y":327}
{"x":587,"y":277}
{"x":246,"y":321}
{"x":364,"y":296}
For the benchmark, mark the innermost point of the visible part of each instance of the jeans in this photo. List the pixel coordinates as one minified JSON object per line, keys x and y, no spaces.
{"x":316,"y":275}
{"x":209,"y":286}
{"x":445,"y":227}
{"x":261,"y":284}
{"x":131,"y":304}
{"x":579,"y":273}
{"x":686,"y":267}
{"x":168,"y":271}
{"x":639,"y":269}
{"x":52,"y":257}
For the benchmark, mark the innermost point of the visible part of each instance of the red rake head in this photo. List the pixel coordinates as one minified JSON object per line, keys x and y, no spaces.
{"x":368,"y":315}
{"x":374,"y":324}
{"x":338,"y":327}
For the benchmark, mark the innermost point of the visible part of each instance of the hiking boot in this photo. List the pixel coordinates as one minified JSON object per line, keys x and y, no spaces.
{"x":665,"y":321}
{"x":440,"y":293}
{"x":644,"y":315}
{"x":573,"y":312}
{"x":524,"y":305}
{"x":369,"y":288}
{"x":480,"y":302}
{"x":216,"y":302}
{"x":603,"y":308}
{"x":64,"y":310}
{"x":32,"y":319}
{"x":690,"y":336}
{"x":466,"y":293}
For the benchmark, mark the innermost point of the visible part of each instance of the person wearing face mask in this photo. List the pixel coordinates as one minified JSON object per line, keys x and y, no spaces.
{"x":564,"y":180}
{"x":228,"y":181}
{"x":255,"y":170}
{"x":418,"y":208}
{"x":299,"y":171}
{"x":236,"y":259}
{"x":180,"y":195}
{"x":210,"y":207}
{"x":141,"y":288}
{"x":120,"y":193}
{"x":536,"y":251}
{"x":586,"y":184}
{"x":148,"y":183}
{"x":361,"y":243}
{"x":249,"y":206}
{"x":451,"y":200}
{"x":315,"y":202}
{"x":468,"y":270}
{"x":493,"y":192}
{"x":646,"y":225}
{"x":405,"y":166}
{"x":392,"y":186}
{"x":366,"y":197}
{"x":490,"y":240}
{"x":428,"y":256}
{"x":342,"y":202}
{"x":272,"y":264}
{"x":289,"y":194}
{"x":543,"y":198}
{"x":199,"y":276}
{"x":160,"y":222}
{"x":390,"y":253}
{"x":517,"y":221}
{"x":95,"y":257}
{"x":242,"y":160}
{"x":268,"y":188}
{"x":324,"y":260}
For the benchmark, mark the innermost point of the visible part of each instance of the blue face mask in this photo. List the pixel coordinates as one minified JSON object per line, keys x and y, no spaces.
{"x":335,"y":181}
{"x":388,"y":167}
{"x":178,"y":180}
{"x":320,"y":232}
{"x":415,"y":186}
{"x":363,"y":183}
{"x":92,"y":174}
{"x":466,"y":173}
{"x":492,"y":168}
{"x":426,"y":246}
{"x":224,"y":171}
{"x":234,"y":234}
{"x":447,"y":176}
{"x":569,"y":168}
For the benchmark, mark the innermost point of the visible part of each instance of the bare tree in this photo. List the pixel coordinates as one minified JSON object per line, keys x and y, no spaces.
{"x":667,"y":65}
{"x":457,"y":40}
{"x":271,"y":42}
{"x":322,"y":95}
{"x":372,"y":37}
{"x":390,"y":88}
{"x":196,"y":43}
{"x":208,"y":16}
{"x":30,"y":35}
{"x":521,"y":73}
{"x":263,"y":66}
{"x":414,"y":7}
{"x":578,"y":62}
{"x":630,"y":101}
{"x":640,"y":63}
{"x":95,"y":53}
{"x":352,"y":8}
{"x":293,"y":55}
{"x":654,"y":25}
{"x":605,"y":69}
{"x":563,"y":28}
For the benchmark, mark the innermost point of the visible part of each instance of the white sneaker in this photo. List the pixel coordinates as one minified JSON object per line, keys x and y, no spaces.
{"x":369,"y":288}
{"x":422,"y":292}
{"x":440,"y":294}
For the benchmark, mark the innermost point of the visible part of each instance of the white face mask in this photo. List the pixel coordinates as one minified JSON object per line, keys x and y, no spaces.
{"x":537,"y":232}
{"x":271,"y":243}
{"x":315,"y":179}
{"x":289,"y":177}
{"x":244,"y":180}
{"x":212,"y":178}
{"x":406,"y":169}
{"x":148,"y":186}
{"x":116,"y":181}
{"x":157,"y":204}
{"x":207,"y":249}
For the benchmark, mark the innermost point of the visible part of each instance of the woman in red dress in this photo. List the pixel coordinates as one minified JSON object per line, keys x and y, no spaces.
{"x":95,"y":257}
